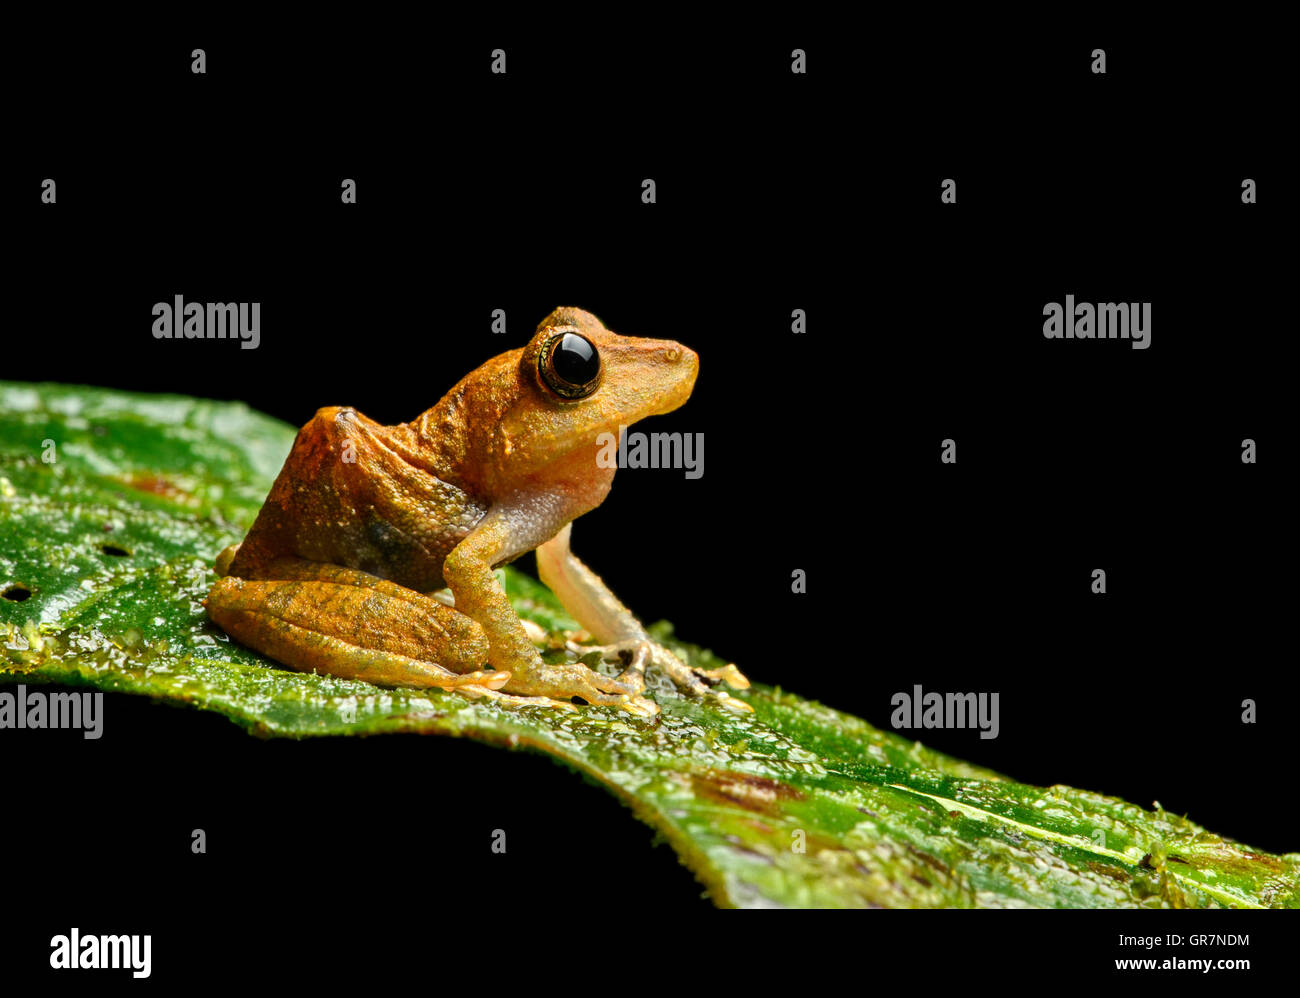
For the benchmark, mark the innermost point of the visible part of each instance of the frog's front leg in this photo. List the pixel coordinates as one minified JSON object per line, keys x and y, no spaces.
{"x":599,"y":611}
{"x":508,"y":530}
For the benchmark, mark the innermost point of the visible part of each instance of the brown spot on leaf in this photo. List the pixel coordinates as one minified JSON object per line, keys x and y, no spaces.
{"x":753,"y":793}
{"x":143,"y":481}
{"x":1106,"y":870}
{"x":1226,"y":859}
{"x":926,"y":858}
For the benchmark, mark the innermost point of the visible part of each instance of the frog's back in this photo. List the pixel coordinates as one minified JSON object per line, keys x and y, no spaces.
{"x":348,"y":494}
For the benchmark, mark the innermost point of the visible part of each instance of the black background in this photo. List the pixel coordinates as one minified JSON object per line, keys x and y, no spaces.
{"x":775,"y":192}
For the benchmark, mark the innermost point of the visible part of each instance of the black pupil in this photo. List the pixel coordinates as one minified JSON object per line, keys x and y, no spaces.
{"x":575,"y":360}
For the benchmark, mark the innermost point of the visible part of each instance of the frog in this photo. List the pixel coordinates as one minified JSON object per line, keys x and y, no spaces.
{"x":374,"y":556}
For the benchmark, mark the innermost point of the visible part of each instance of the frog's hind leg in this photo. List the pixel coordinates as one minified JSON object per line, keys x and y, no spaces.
{"x":326,"y":618}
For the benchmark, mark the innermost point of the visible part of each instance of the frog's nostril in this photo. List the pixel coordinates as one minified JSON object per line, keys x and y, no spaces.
{"x":672,"y":354}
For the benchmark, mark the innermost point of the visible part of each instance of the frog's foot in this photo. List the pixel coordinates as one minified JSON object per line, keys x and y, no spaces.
{"x":640,"y":653}
{"x":572,"y":679}
{"x":517,"y":701}
{"x":637,"y":706}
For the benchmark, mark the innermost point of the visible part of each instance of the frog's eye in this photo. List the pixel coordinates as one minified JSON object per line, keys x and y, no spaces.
{"x":570,"y":365}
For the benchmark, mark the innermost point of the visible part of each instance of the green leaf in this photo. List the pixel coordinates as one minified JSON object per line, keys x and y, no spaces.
{"x":111,"y":544}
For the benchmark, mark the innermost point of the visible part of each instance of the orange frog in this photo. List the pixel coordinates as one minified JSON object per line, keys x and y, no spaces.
{"x":366,"y":523}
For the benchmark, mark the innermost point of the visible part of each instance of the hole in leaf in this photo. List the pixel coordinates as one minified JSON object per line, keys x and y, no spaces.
{"x":16,"y":593}
{"x":115,"y":551}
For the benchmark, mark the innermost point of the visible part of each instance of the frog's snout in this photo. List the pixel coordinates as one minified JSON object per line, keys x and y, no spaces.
{"x":685,"y":356}
{"x":679,"y":365}
{"x":686,"y":360}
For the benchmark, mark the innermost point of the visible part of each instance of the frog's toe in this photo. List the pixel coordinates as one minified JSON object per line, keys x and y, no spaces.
{"x":517,"y":701}
{"x":728,"y":674}
{"x":625,"y":697}
{"x":638,"y":654}
{"x":622,"y":686}
{"x":491,"y":679}
{"x":698,"y":680}
{"x":641,"y":707}
{"x":636,"y":705}
{"x":573,"y":680}
{"x":731,"y":703}
{"x":635,"y":653}
{"x":634,"y":680}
